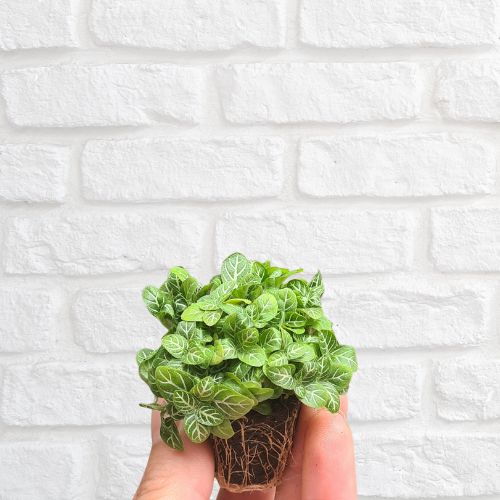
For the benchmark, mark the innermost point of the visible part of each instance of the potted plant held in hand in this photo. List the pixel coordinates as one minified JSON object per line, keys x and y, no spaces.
{"x":239,"y":357}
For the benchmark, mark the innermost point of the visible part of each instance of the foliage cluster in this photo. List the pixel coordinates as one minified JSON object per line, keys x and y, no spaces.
{"x":252,"y":334}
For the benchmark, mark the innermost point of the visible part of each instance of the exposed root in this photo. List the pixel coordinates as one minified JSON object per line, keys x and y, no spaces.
{"x":256,"y":456}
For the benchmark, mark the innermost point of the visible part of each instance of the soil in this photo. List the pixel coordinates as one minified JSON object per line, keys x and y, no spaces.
{"x":256,"y":456}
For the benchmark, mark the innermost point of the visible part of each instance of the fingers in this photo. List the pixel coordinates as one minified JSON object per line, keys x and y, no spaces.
{"x":176,"y":475}
{"x":252,"y":495}
{"x":328,"y":469}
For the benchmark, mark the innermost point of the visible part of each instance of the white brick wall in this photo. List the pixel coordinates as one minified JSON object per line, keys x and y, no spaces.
{"x":359,"y":137}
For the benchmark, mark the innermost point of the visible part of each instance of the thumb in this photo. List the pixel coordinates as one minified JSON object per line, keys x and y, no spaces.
{"x":176,"y":475}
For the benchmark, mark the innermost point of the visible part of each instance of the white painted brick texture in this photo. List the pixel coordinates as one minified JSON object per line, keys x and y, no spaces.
{"x":31,"y":24}
{"x":28,"y":319}
{"x":397,"y":23}
{"x":469,"y":90}
{"x":33,"y":173}
{"x":113,"y":320}
{"x":466,"y":239}
{"x":428,"y":466}
{"x":336,"y":241}
{"x":86,"y":394}
{"x":92,"y":244}
{"x":403,"y":314}
{"x":420,"y":165}
{"x":319,"y":92}
{"x":45,"y":469}
{"x":166,"y":169}
{"x":102,"y":95}
{"x":356,"y":137}
{"x":191,"y":25}
{"x":468,"y":390}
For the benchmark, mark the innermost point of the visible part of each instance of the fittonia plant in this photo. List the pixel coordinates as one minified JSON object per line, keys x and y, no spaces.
{"x":250,"y":336}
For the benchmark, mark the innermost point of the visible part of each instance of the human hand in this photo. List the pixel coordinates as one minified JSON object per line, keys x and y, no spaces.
{"x":321,"y":466}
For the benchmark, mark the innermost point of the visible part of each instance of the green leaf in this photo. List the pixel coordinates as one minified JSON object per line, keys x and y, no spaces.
{"x":204,"y":389}
{"x":223,"y":291}
{"x":333,"y":402}
{"x":300,"y":351}
{"x":170,"y":434}
{"x":253,"y":355}
{"x":282,"y":376}
{"x":232,"y":404}
{"x":240,"y":369}
{"x":195,"y":431}
{"x":340,"y":375}
{"x":143,"y":355}
{"x":267,"y":308}
{"x":192,"y":313}
{"x":235,"y":383}
{"x":301,"y":289}
{"x":207,"y":414}
{"x":246,"y":338}
{"x":153,"y":299}
{"x":231,"y":324}
{"x":263,"y":408}
{"x":172,"y":411}
{"x":217,"y":353}
{"x":312,"y":312}
{"x":235,"y":267}
{"x":278,"y":358}
{"x":270,"y":339}
{"x":314,"y":395}
{"x":144,"y":368}
{"x":345,"y":355}
{"x":175,"y":344}
{"x":327,"y":342}
{"x":190,"y":288}
{"x":229,"y":349}
{"x":171,"y":379}
{"x":224,"y":430}
{"x":179,"y":272}
{"x":287,"y":300}
{"x":197,"y":354}
{"x":184,"y":402}
{"x":210,"y":318}
{"x":294,"y":320}
{"x":262,"y":393}
{"x":308,"y":372}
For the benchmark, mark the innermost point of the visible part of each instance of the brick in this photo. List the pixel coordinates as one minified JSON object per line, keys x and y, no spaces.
{"x":318,"y":92}
{"x":406,"y":314}
{"x":32,"y":24}
{"x":105,"y":95}
{"x":79,"y":244}
{"x":198,"y":169}
{"x":33,"y":172}
{"x":340,"y":241}
{"x":466,"y":239}
{"x":200,"y":25}
{"x":45,"y":470}
{"x":469,"y":90}
{"x":114,"y":320}
{"x":123,"y":459}
{"x":86,"y":394}
{"x":396,"y":165}
{"x":388,"y":392}
{"x":27,"y":319}
{"x":395,"y":23}
{"x":416,"y":466}
{"x":468,"y":389}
